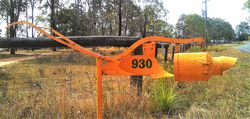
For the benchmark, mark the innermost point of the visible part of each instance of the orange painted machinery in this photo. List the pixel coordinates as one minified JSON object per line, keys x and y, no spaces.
{"x":187,"y":66}
{"x":199,"y":66}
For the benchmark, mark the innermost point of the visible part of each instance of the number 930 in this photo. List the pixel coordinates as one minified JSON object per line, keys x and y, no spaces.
{"x":141,"y":63}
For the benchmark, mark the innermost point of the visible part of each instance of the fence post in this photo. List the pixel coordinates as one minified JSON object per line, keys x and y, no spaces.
{"x":173,"y":50}
{"x":166,"y":52}
{"x":136,"y":81}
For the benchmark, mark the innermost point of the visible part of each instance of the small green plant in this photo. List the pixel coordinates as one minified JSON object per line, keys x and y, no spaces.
{"x":163,"y":95}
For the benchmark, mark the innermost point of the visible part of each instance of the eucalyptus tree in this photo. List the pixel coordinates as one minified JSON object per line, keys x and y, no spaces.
{"x":152,"y":11}
{"x":243,"y":31}
{"x":32,"y":4}
{"x":194,"y":25}
{"x":191,"y":25}
{"x":12,"y":9}
{"x":180,"y":27}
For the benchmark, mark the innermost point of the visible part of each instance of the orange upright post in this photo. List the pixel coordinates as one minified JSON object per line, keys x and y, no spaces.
{"x":99,"y":88}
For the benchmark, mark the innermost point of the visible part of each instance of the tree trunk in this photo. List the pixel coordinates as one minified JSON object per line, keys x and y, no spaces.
{"x":12,"y":19}
{"x":77,"y":18}
{"x":32,"y":17}
{"x":120,"y":18}
{"x":7,"y":31}
{"x":126,"y":27}
{"x":144,"y":26}
{"x":110,"y":28}
{"x":12,"y":35}
{"x":94,"y":18}
{"x":52,"y":20}
{"x":26,"y":15}
{"x":102,"y":27}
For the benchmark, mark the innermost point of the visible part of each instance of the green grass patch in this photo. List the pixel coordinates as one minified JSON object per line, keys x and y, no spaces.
{"x":163,"y":95}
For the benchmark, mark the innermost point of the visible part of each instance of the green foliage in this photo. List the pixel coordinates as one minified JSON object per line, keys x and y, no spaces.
{"x":180,"y":27}
{"x":154,"y":11}
{"x":65,"y":25}
{"x":219,"y":29}
{"x":247,"y":4}
{"x":100,"y":18}
{"x":193,"y":26}
{"x":243,"y":31}
{"x":190,"y":26}
{"x":132,"y":18}
{"x":162,"y":28}
{"x":163,"y":95}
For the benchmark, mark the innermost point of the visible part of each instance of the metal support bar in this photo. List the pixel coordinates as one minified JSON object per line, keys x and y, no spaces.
{"x":99,"y":111}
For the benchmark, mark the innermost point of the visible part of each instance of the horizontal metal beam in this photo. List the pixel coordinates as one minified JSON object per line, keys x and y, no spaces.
{"x":88,"y":41}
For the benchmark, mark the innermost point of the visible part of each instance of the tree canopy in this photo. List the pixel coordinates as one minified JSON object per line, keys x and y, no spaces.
{"x":243,"y":31}
{"x":192,"y":25}
{"x":247,"y":4}
{"x":116,"y":17}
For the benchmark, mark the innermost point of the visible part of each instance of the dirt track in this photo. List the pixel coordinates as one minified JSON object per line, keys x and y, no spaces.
{"x":8,"y":61}
{"x":12,"y":60}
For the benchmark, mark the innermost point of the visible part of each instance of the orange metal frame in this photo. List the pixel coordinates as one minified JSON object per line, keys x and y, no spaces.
{"x":118,"y":65}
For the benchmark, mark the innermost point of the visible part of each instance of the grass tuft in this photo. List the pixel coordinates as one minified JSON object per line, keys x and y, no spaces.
{"x":163,"y":95}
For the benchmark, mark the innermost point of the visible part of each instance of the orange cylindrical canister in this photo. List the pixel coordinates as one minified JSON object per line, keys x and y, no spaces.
{"x":200,"y":66}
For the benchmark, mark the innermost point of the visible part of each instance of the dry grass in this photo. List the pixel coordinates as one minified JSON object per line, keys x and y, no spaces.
{"x":63,"y":86}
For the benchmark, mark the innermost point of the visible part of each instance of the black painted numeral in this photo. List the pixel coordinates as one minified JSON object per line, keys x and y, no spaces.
{"x":141,"y":63}
{"x":134,"y":63}
{"x":148,"y":63}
